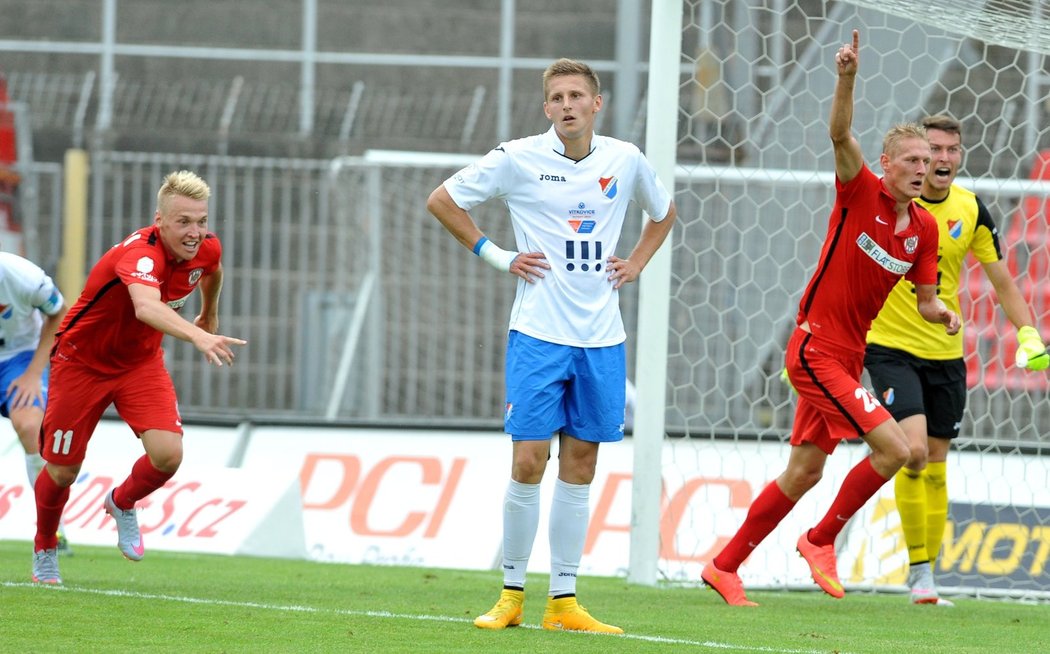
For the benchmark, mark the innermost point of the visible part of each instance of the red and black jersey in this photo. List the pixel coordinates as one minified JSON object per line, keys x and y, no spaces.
{"x":862,"y":259}
{"x":101,"y":329}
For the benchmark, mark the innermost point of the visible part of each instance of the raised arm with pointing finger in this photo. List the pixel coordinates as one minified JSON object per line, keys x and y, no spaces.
{"x":876,"y":235}
{"x":848,"y":156}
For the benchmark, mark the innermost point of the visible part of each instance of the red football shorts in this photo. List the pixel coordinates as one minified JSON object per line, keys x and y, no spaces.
{"x":77,"y":397}
{"x":832,"y":403}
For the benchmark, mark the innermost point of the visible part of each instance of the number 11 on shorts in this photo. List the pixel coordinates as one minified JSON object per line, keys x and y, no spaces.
{"x":63,"y":439}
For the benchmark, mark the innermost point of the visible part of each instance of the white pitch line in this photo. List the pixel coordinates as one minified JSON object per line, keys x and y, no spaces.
{"x":294,"y":608}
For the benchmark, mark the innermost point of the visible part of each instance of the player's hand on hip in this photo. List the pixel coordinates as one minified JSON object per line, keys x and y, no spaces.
{"x":1031,"y":352}
{"x":529,"y":266}
{"x":622,"y":271}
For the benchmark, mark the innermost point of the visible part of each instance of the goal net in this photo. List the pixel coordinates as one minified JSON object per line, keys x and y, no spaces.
{"x":754,"y":187}
{"x":754,"y":190}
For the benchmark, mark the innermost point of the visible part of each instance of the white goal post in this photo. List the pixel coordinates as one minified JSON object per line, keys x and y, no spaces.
{"x":654,"y":286}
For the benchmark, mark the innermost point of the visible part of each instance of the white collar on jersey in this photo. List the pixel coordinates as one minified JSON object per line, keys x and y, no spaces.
{"x":556,"y":144}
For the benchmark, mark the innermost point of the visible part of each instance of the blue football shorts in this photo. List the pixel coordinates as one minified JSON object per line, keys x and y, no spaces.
{"x":579,"y":391}
{"x":9,"y":371}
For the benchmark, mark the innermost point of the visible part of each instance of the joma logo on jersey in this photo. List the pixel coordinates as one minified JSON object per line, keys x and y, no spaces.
{"x":553,"y":178}
{"x":608,"y":185}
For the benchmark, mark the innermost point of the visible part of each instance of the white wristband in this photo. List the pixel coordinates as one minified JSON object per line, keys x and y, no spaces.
{"x":494,"y":255}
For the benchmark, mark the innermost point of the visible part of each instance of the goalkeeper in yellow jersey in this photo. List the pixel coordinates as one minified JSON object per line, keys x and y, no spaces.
{"x":917,"y":369}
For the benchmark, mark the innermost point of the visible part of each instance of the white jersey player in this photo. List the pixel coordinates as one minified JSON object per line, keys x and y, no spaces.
{"x":31,"y":309}
{"x":573,"y":212}
{"x":567,"y":192}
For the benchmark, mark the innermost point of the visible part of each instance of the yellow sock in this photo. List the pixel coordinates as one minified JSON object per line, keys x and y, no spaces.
{"x":909,"y":489}
{"x":936,"y":475}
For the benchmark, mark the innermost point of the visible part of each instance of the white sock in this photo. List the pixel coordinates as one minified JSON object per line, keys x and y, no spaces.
{"x":521,"y":518}
{"x":34,"y":464}
{"x":570,"y":512}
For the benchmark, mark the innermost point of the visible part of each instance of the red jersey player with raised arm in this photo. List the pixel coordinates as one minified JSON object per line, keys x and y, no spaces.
{"x":107,"y":351}
{"x":876,"y":235}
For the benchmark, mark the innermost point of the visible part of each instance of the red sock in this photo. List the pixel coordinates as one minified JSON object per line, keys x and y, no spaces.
{"x":860,"y":484}
{"x":143,"y":480}
{"x":766,"y":512}
{"x":50,"y":500}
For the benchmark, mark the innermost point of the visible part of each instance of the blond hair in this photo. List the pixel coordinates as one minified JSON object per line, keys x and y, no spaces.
{"x":564,"y":67}
{"x":184,"y":183}
{"x":891,"y":143}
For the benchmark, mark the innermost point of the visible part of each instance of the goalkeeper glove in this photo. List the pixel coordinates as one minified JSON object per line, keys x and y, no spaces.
{"x":1031,"y":353}
{"x":786,"y":379}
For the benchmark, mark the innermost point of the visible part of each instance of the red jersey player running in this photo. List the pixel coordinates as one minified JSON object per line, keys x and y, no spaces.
{"x":107,"y":351}
{"x":876,"y":234}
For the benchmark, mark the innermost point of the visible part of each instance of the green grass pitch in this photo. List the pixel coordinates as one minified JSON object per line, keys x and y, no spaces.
{"x":174,"y":602}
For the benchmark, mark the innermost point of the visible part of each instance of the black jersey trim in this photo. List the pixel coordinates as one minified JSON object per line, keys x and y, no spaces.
{"x":98,"y":296}
{"x":985,"y":220}
{"x":831,"y":398}
{"x":807,"y":301}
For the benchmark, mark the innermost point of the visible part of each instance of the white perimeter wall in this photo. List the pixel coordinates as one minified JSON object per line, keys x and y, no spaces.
{"x":433,"y":498}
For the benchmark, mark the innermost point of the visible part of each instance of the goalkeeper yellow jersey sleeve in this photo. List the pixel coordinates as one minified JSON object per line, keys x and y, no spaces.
{"x":964,"y":225}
